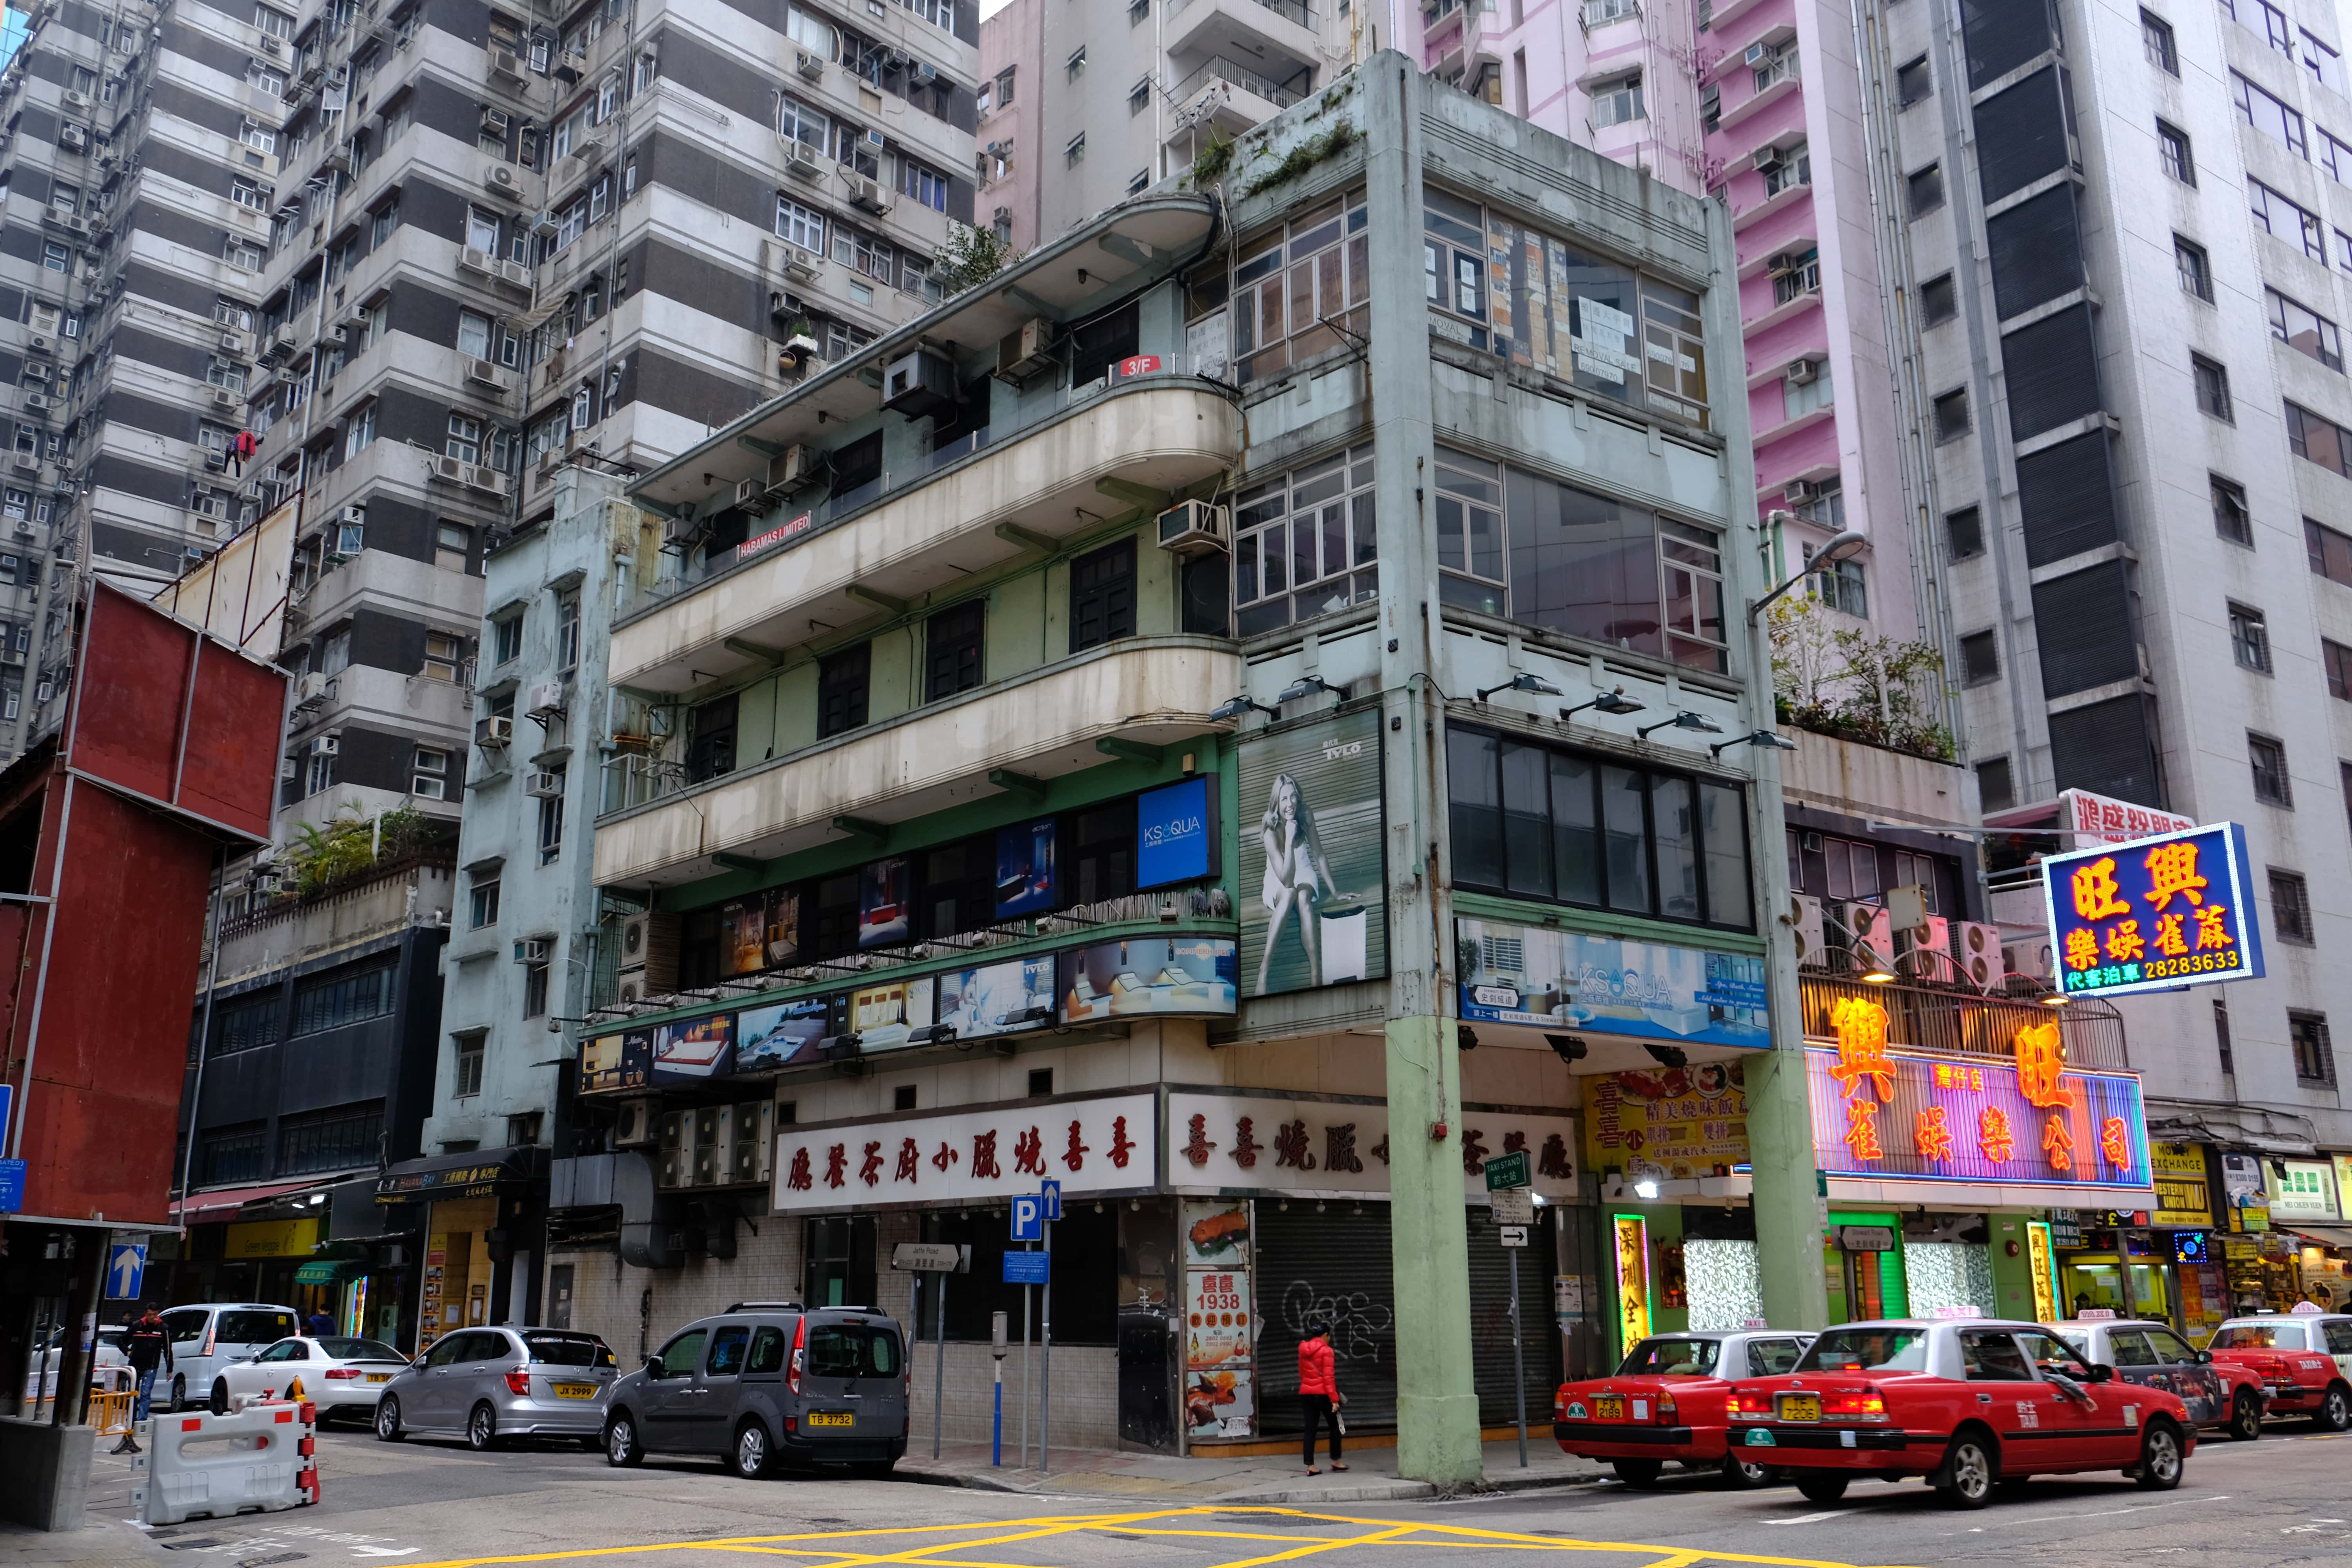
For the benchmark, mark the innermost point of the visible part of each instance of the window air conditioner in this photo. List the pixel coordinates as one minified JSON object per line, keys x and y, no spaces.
{"x":811,"y":67}
{"x":532,"y":949}
{"x":1783,"y":262}
{"x":792,"y":468}
{"x":1759,"y":53}
{"x":918,"y":383}
{"x":1195,"y":528}
{"x":326,"y":745}
{"x":542,"y":785}
{"x":1801,"y":372}
{"x":870,"y":195}
{"x":1765,"y":157}
{"x":750,"y":495}
{"x":802,"y":163}
{"x":494,"y":730}
{"x":1798,"y":492}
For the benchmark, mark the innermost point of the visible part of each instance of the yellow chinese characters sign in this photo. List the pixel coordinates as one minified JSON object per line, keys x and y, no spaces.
{"x":1631,"y":1235}
{"x":272,"y":1238}
{"x":2154,"y":914}
{"x":1675,"y":1123}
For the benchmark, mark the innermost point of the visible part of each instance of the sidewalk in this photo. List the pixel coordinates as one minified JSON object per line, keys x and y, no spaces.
{"x":1370,"y":1477}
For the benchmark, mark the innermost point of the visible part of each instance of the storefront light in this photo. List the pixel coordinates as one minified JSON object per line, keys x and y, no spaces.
{"x":1646,"y":1189}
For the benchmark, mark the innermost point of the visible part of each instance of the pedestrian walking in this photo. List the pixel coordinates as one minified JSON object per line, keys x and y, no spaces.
{"x":148,"y":1348}
{"x":1319,"y":1392}
{"x":318,"y":1325}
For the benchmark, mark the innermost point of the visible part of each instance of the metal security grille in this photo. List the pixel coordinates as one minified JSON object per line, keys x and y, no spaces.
{"x":2053,"y":373}
{"x":1490,"y":1323}
{"x":1333,"y":1265}
{"x":2109,"y":749}
{"x":2037,"y":251}
{"x":2022,"y":134}
{"x":2065,"y":499}
{"x":2003,"y":35}
{"x":2083,"y":621}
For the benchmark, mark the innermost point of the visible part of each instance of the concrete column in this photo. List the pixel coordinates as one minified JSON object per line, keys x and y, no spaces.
{"x":1437,"y":1403}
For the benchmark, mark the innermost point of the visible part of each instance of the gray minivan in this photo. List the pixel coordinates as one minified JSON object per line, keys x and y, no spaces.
{"x":765,"y":1382}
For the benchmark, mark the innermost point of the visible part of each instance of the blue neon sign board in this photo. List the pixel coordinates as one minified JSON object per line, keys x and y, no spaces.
{"x":2155,"y":914}
{"x":1175,"y":834}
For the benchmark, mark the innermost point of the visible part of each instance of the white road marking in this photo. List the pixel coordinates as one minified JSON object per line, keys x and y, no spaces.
{"x":1809,"y":1518}
{"x":2103,"y":1514}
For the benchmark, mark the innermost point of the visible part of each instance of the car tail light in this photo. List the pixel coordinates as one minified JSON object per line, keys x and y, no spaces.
{"x":1560,"y":1405}
{"x":1856,"y":1405}
{"x":341,"y":1373}
{"x":800,"y":1356}
{"x":1749,"y":1402}
{"x":208,"y":1342}
{"x":518,"y":1379}
{"x":1665,"y":1409}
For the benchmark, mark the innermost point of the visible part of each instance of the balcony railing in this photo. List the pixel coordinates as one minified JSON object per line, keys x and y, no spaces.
{"x":1219,"y":68}
{"x":1965,"y":1022}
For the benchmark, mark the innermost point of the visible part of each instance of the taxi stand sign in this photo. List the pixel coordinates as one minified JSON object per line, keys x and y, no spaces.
{"x":2155,"y":914}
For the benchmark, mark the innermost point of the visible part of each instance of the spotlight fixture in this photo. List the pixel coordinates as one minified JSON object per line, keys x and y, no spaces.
{"x":839,"y":1047}
{"x":1466,"y":1037}
{"x":1308,"y":685}
{"x":1607,"y":702}
{"x":1569,"y":1047}
{"x":1523,"y":683}
{"x":1668,"y":1056}
{"x":932,"y":1034}
{"x":1241,"y":708}
{"x":1686,"y":719}
{"x":1770,"y":739}
{"x":2056,"y":999}
{"x":1875,"y":972}
{"x":1646,"y":1189}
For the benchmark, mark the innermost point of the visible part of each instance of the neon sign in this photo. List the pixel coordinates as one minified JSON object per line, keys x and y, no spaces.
{"x":2156,"y":915}
{"x":2037,"y":1121}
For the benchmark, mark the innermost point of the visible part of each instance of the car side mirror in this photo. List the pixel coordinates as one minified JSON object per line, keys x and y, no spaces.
{"x":2204,"y":1358}
{"x":2102,"y":1373}
{"x":653,"y":1367}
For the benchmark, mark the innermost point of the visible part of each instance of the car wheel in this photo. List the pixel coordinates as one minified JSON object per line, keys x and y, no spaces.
{"x":218,"y":1403}
{"x":178,"y":1395}
{"x":749,"y":1457}
{"x":2159,"y":1457}
{"x":1637,"y":1472}
{"x":1740,"y":1474}
{"x":1968,"y":1472}
{"x":1821,"y":1488}
{"x":2335,"y":1410}
{"x":387,"y":1419}
{"x":482,"y":1428}
{"x":622,"y":1449}
{"x":2245,"y":1417}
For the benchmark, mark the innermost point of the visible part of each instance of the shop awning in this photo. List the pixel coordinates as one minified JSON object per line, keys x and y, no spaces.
{"x":329,"y":1271}
{"x":476,"y":1173}
{"x":2335,"y":1236}
{"x":198,"y":1207}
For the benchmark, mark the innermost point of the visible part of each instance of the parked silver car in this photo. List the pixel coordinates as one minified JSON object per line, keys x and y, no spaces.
{"x":489,"y":1384}
{"x":768,"y":1381}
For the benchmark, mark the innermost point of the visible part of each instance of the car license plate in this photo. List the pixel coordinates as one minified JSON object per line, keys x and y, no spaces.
{"x":822,"y":1418}
{"x":1760,"y":1438}
{"x":575,"y":1390}
{"x":379,"y":1377}
{"x":1609,"y":1408}
{"x":1800,"y":1408}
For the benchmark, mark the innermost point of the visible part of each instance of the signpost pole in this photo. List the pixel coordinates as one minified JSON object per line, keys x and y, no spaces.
{"x":996,"y":1355}
{"x":1518,"y":1362}
{"x":940,"y":1370}
{"x":1045,"y":1365}
{"x":1027,"y":1296}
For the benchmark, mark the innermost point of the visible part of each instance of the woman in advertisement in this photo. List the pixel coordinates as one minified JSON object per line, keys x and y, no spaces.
{"x":1295,"y":867}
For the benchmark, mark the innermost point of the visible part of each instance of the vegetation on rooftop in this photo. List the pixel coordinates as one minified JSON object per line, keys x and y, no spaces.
{"x":1847,"y":682}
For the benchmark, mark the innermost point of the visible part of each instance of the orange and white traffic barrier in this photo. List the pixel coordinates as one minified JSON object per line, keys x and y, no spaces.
{"x":256,"y":1460}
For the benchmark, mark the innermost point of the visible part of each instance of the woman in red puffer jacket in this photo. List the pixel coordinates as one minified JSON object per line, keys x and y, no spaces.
{"x":1319,"y":1392}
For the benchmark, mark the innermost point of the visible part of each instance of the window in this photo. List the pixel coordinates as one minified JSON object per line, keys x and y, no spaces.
{"x":1995,"y":789}
{"x":1075,"y":153}
{"x":359,"y":434}
{"x":1539,"y":822}
{"x":1952,"y":416}
{"x":2196,"y":269}
{"x":277,"y":24}
{"x":2329,"y":551}
{"x":843,"y":682}
{"x":1102,"y":595}
{"x":567,"y":633}
{"x":442,"y":652}
{"x":506,"y":634}
{"x":1285,"y":285}
{"x":468,"y":1078}
{"x":1964,"y":532}
{"x":2250,"y":640}
{"x":2231,"y":519}
{"x":534,"y":991}
{"x":2282,"y":220}
{"x":2336,"y":659}
{"x":1925,"y":190}
{"x":1938,"y":301}
{"x":2222,"y":1037}
{"x":2305,"y":331}
{"x":551,"y":820}
{"x":1139,"y":97}
{"x":226,"y":1154}
{"x":1913,"y":83}
{"x":2172,"y":146}
{"x":1076,"y":66}
{"x":951,"y":649}
{"x":1617,"y":103}
{"x":2269,"y":116}
{"x":382,"y":224}
{"x":1980,"y":658}
{"x":246,"y":1026}
{"x":483,"y":901}
{"x":928,"y":187}
{"x":2314,"y":1054}
{"x":430,"y":779}
{"x":2155,"y":43}
{"x":2344,"y":782}
{"x":453,"y":546}
{"x":1470,"y":556}
{"x":2320,"y":441}
{"x":465,"y":442}
{"x":2268,"y":758}
{"x":1303,"y":543}
{"x":1803,"y":392}
{"x":338,"y":1001}
{"x":473,"y":334}
{"x":2212,"y":383}
{"x":802,"y":225}
{"x":1843,"y":587}
{"x":341,"y":1139}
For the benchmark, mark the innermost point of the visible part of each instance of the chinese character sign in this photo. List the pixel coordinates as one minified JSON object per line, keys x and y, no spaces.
{"x":1087,"y":1145}
{"x":1671,"y":1122}
{"x":2021,"y":1124}
{"x":2154,"y":914}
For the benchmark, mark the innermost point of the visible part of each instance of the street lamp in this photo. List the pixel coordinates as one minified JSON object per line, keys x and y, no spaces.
{"x":1766,"y":738}
{"x":1535,"y":683}
{"x":1686,"y":719}
{"x":1840,"y":546}
{"x":1607,"y":702}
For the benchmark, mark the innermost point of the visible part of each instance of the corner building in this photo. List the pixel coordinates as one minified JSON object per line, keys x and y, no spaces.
{"x":1137,"y":726}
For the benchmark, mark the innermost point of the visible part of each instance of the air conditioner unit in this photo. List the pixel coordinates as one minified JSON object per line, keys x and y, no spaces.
{"x":546,"y":697}
{"x":2033,"y":958}
{"x":800,"y":265}
{"x":811,"y":67}
{"x":541,"y":785}
{"x":714,"y":1146}
{"x":635,"y":1126}
{"x":474,"y":260}
{"x":515,"y":273}
{"x":36,"y":403}
{"x":792,"y":469}
{"x":755,"y":1140}
{"x":273,"y":49}
{"x":41,"y":344}
{"x":77,"y":100}
{"x":224,"y":399}
{"x":681,"y":529}
{"x":354,"y":515}
{"x":502,"y":178}
{"x":532,"y":949}
{"x":326,"y":745}
{"x":494,"y":122}
{"x":486,"y":372}
{"x":1759,"y":53}
{"x":338,"y":161}
{"x":494,"y":729}
{"x":73,"y":139}
{"x":1026,"y":349}
{"x":675,"y":1165}
{"x":1805,"y":925}
{"x":802,"y":163}
{"x":751,"y":496}
{"x":1799,"y":492}
{"x":919,"y":382}
{"x":1195,"y":528}
{"x":1870,"y":930}
{"x":232,"y":343}
{"x":922,"y":73}
{"x":1801,"y":372}
{"x":1936,"y":936}
{"x":36,"y":372}
{"x":1781,"y":261}
{"x":1765,"y":157}
{"x":571,"y":65}
{"x":311,"y":689}
{"x":1977,"y":950}
{"x":448,"y":467}
{"x":870,"y":195}
{"x":506,"y":63}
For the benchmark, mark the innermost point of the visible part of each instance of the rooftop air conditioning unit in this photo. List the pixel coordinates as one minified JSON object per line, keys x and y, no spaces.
{"x":1026,"y":349}
{"x":546,"y":697}
{"x":792,"y":469}
{"x":1195,"y":528}
{"x":532,"y":949}
{"x":811,"y":67}
{"x":1799,"y":492}
{"x":1765,"y":157}
{"x":501,"y":178}
{"x":542,"y":785}
{"x":1801,"y":372}
{"x":918,"y":383}
{"x":494,"y":729}
{"x":1805,"y":925}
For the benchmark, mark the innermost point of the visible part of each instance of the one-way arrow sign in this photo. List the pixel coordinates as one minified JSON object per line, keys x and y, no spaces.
{"x":126,"y":1269}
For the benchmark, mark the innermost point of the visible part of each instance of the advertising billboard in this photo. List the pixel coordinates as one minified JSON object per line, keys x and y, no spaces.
{"x":1087,"y":1146}
{"x":998,"y":998}
{"x":1170,"y":977}
{"x":2156,"y":915}
{"x":618,"y":1060}
{"x":1676,"y":1123}
{"x":1176,"y":834}
{"x":1565,"y":979}
{"x":1310,"y":877}
{"x":1025,"y":868}
{"x":883,"y":904}
{"x":743,"y":936}
{"x":782,"y":1035}
{"x":696,"y":1048}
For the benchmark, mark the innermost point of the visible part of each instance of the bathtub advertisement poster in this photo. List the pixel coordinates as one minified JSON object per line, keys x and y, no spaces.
{"x":1565,"y":979}
{"x":1313,"y":909}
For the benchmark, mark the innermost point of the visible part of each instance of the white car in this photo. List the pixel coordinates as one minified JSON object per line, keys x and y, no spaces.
{"x":210,"y":1335}
{"x":336,"y":1373}
{"x":108,"y":1367}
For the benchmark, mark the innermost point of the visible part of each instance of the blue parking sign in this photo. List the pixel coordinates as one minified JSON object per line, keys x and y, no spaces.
{"x":1028,"y":1215}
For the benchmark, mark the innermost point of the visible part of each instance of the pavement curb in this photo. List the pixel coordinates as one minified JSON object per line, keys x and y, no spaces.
{"x":1287,"y":1497}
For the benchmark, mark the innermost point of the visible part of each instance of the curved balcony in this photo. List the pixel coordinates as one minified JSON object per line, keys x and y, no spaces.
{"x":1038,"y":726}
{"x":1162,"y":433}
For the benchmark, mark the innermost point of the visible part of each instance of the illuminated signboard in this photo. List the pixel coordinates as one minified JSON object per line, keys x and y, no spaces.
{"x":2156,"y":915}
{"x":2039,"y":1254}
{"x":2033,"y":1120}
{"x":1631,"y":1234}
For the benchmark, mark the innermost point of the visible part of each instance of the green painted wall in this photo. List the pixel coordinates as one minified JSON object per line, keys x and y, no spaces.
{"x":1893,"y":1292}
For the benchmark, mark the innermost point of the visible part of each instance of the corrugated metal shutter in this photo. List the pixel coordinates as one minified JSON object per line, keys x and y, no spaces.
{"x":2108,"y":748}
{"x":1490,"y":1323}
{"x":1333,"y":1265}
{"x":2052,"y":368}
{"x":2083,"y":624}
{"x":2021,"y":135}
{"x":2037,"y":251}
{"x":2066,"y":498}
{"x":2003,"y":35}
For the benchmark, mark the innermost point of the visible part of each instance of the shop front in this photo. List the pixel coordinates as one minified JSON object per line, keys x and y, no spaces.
{"x":2164,"y":1262}
{"x":2306,"y":1205}
{"x":482,"y":1211}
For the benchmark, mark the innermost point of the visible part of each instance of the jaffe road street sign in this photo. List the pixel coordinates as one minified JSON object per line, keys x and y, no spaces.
{"x":1507,"y":1171}
{"x":932,"y":1257}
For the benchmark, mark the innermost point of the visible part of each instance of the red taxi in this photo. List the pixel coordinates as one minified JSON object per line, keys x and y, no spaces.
{"x":1665,"y":1402}
{"x":1966,"y":1403}
{"x":2304,"y":1359}
{"x":2217,"y":1393}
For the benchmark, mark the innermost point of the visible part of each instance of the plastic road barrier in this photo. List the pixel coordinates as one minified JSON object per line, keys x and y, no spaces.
{"x":256,"y":1460}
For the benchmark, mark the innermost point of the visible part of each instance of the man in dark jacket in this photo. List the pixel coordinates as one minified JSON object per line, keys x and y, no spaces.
{"x":148,"y":1348}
